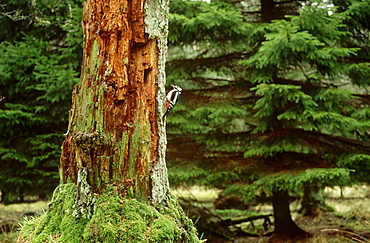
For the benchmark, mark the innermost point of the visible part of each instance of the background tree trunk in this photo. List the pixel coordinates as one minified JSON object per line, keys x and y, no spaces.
{"x":313,"y":201}
{"x":267,"y":10}
{"x":114,"y":185}
{"x":285,"y":228}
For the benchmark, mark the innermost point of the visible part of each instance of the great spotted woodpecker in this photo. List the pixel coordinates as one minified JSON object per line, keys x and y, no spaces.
{"x":172,"y":98}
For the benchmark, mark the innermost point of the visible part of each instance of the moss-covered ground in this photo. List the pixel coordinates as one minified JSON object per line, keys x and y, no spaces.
{"x":114,"y":219}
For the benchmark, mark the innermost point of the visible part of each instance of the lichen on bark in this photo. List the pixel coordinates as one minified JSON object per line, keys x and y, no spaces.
{"x":156,"y":26}
{"x":84,"y":198}
{"x":156,"y":18}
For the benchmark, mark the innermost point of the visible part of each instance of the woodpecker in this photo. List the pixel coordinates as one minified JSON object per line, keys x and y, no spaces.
{"x":172,"y":98}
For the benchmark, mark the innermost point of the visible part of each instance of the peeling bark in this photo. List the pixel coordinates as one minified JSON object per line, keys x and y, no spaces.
{"x":116,"y":130}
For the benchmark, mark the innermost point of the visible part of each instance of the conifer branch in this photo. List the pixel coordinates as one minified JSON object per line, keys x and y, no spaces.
{"x":208,"y":61}
{"x":334,"y":143}
{"x":303,"y":72}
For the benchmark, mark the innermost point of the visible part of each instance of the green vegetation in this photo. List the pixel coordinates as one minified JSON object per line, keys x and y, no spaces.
{"x":269,"y":107}
{"x":41,"y":50}
{"x":271,"y":99}
{"x":270,"y":104}
{"x":115,"y":219}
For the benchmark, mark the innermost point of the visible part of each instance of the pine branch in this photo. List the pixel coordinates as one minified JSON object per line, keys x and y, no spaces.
{"x":334,"y":143}
{"x":210,"y":61}
{"x":353,"y":60}
{"x":365,"y":98}
{"x":303,"y":72}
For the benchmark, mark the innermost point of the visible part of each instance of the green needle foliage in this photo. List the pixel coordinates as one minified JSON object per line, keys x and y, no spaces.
{"x":269,"y":106}
{"x":41,"y":48}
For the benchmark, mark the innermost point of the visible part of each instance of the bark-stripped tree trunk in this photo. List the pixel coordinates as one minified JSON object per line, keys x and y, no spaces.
{"x":112,"y":166}
{"x":115,"y":129}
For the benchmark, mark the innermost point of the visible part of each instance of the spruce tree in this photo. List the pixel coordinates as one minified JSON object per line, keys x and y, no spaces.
{"x":268,"y":107}
{"x":41,"y":50}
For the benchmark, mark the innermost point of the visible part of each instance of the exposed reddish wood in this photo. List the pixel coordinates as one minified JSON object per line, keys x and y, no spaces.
{"x":120,"y":78}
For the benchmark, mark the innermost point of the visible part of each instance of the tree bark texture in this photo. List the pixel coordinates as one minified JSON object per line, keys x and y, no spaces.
{"x":267,"y":10}
{"x":116,"y":129}
{"x":285,"y":228}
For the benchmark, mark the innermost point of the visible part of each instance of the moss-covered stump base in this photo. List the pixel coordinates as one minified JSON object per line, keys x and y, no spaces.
{"x":112,"y":219}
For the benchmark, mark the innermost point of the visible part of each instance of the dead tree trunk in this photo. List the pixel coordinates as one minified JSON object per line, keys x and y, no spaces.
{"x":114,"y":185}
{"x":115,"y":128}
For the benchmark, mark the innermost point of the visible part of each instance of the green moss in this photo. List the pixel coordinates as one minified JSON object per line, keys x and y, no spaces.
{"x":99,"y":111}
{"x":94,"y":60}
{"x":121,"y":147}
{"x":139,"y":148}
{"x":186,"y":231}
{"x":115,"y":219}
{"x":59,"y":217}
{"x":134,"y":150}
{"x":132,"y":221}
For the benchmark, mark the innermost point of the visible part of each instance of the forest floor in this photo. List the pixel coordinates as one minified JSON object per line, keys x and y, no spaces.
{"x":12,"y":216}
{"x":351,"y":225}
{"x":350,"y":222}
